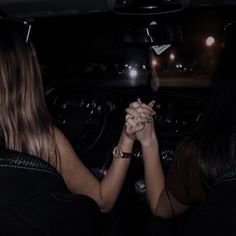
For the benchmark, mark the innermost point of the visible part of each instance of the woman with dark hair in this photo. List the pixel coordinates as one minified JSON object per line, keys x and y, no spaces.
{"x":25,"y":124}
{"x":203,"y":175}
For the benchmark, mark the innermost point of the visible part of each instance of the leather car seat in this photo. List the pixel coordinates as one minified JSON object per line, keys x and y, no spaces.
{"x":34,"y":200}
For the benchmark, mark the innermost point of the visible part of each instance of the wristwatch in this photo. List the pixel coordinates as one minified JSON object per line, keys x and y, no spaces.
{"x":118,"y":153}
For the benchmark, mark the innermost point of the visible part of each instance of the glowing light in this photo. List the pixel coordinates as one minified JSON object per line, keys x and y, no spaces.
{"x":154,"y":62}
{"x":133,"y":73}
{"x":210,"y":40}
{"x":172,"y":56}
{"x":178,"y":65}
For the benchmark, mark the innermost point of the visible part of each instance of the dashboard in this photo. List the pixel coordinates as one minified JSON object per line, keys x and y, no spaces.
{"x":92,"y":118}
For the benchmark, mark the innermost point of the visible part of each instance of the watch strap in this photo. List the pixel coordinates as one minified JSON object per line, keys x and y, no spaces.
{"x":127,"y":155}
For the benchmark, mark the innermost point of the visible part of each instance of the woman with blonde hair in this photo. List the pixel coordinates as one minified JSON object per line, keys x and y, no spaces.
{"x":26,"y":126}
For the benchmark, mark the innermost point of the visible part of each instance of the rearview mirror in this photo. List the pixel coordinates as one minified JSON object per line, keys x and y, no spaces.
{"x":146,"y":7}
{"x":151,"y":35}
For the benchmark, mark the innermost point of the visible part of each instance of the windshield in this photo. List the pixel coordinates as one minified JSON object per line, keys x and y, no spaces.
{"x":88,"y":48}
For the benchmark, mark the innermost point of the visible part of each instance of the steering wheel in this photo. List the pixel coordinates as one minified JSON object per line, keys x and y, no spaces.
{"x":82,"y":115}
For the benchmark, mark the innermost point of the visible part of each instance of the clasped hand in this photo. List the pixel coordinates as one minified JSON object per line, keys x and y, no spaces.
{"x":139,"y":121}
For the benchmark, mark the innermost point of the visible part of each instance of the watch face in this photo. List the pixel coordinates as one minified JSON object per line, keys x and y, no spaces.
{"x":117,"y":152}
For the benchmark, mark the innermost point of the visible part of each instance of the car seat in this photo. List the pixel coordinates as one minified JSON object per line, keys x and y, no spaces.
{"x":34,"y":200}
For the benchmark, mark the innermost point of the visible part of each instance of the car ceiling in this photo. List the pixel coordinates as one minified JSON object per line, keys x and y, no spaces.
{"x":41,"y":8}
{"x":44,"y":8}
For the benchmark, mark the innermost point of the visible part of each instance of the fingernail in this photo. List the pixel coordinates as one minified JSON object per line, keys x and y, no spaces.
{"x":139,"y":100}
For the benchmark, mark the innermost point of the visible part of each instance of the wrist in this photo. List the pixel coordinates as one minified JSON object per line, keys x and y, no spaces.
{"x":125,"y":142}
{"x":151,"y":140}
{"x":126,"y":136}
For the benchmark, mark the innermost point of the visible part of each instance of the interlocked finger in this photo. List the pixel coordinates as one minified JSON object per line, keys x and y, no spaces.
{"x":140,"y":120}
{"x":131,"y":111}
{"x":130,"y":121}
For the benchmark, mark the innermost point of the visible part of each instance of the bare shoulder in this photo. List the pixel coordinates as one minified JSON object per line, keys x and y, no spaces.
{"x":58,"y":134}
{"x":71,"y":167}
{"x":62,"y":142}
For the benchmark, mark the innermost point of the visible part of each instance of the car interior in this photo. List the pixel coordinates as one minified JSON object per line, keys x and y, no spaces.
{"x":96,"y":57}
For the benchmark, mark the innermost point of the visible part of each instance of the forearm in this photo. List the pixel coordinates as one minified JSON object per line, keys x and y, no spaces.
{"x":154,"y":176}
{"x":112,"y":183}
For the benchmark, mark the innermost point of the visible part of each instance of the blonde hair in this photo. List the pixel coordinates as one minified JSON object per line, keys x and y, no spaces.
{"x":25,"y":124}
